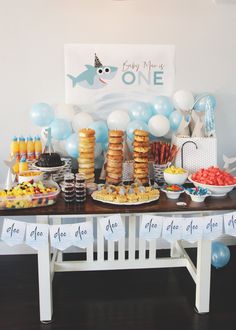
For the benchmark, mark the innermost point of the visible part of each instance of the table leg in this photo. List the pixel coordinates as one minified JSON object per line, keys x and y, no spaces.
{"x":44,"y":278}
{"x":203,"y":278}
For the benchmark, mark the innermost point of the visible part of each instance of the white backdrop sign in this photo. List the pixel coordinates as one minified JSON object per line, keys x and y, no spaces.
{"x":93,"y":71}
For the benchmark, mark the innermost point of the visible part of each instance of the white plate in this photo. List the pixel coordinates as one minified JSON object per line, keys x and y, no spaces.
{"x":49,"y":169}
{"x":126,"y":203}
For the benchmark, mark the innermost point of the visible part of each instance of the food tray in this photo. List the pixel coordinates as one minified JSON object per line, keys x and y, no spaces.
{"x":30,"y":201}
{"x":126,"y":203}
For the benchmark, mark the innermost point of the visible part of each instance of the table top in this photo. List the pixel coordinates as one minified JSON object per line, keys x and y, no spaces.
{"x":163,"y":205}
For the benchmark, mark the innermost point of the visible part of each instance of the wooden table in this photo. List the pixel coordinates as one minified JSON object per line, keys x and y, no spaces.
{"x":126,"y":248}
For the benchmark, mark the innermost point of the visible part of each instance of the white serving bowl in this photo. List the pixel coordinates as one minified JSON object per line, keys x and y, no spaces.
{"x":175,"y":178}
{"x":23,"y":177}
{"x":197,"y":198}
{"x":172,"y":194}
{"x":216,"y":191}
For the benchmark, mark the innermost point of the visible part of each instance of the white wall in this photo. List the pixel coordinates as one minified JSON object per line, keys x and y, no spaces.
{"x":33,"y":33}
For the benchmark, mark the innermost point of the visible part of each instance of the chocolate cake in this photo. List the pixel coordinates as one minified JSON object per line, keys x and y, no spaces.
{"x":49,"y":160}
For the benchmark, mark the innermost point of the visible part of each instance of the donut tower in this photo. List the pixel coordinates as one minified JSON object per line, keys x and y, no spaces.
{"x":114,"y":157}
{"x":86,"y":153}
{"x":141,"y":148}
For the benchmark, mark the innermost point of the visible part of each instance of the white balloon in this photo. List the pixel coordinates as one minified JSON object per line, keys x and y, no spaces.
{"x":158,"y":125}
{"x":81,"y":120}
{"x":118,"y":119}
{"x":183,"y":100}
{"x":65,"y":111}
{"x":98,"y":150}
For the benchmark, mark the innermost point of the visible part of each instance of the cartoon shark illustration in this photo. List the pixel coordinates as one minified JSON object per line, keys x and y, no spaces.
{"x":95,"y":76}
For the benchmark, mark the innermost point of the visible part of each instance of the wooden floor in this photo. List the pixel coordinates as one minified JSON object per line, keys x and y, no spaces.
{"x":115,"y":300}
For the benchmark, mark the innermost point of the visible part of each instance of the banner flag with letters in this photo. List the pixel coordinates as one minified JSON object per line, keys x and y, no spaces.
{"x":230,"y":223}
{"x":60,"y":236}
{"x":212,"y":226}
{"x":150,"y":227}
{"x":112,"y":227}
{"x":13,"y":232}
{"x":82,"y":234}
{"x":36,"y":235}
{"x":172,"y":229}
{"x":192,"y":229}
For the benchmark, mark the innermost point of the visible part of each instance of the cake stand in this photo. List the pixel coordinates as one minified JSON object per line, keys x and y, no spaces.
{"x":49,"y":171}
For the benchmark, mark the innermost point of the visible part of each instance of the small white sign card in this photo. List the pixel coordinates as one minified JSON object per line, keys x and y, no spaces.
{"x":36,"y":235}
{"x":60,"y":236}
{"x":212,"y":226}
{"x":172,"y":229}
{"x":82,"y":234}
{"x":150,"y":227}
{"x":230,"y":223}
{"x":13,"y":232}
{"x":192,"y":229}
{"x":112,"y":227}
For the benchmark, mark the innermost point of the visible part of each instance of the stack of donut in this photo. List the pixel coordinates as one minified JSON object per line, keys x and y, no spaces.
{"x":141,"y":148}
{"x":114,"y":157}
{"x":86,"y":153}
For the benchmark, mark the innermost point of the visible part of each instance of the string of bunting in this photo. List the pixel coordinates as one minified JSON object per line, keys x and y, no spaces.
{"x":151,"y":227}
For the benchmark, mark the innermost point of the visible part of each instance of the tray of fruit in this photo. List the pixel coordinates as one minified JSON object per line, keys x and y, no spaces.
{"x":217,"y":181}
{"x":29,"y":195}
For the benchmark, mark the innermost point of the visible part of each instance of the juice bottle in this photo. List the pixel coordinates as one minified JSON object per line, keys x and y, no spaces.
{"x":23,"y":165}
{"x":30,"y":149}
{"x":22,"y":147}
{"x":38,"y":146}
{"x":15,"y":148}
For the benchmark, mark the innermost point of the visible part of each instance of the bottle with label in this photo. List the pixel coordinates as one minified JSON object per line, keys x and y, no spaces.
{"x":15,"y":148}
{"x":37,"y":146}
{"x":22,"y":147}
{"x":30,"y":149}
{"x":23,"y":165}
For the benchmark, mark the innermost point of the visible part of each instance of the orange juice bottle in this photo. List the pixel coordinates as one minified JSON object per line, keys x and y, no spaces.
{"x":30,"y":149}
{"x":22,"y":147}
{"x":37,"y":146}
{"x":23,"y":165}
{"x":15,"y":148}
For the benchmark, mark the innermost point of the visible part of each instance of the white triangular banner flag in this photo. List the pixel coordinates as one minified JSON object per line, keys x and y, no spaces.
{"x":230,"y":223}
{"x":60,"y":236}
{"x":172,"y":229}
{"x":36,"y":235}
{"x":212,"y":226}
{"x":150,"y":227}
{"x":192,"y":229}
{"x":112,"y":227}
{"x":82,"y":234}
{"x":13,"y":232}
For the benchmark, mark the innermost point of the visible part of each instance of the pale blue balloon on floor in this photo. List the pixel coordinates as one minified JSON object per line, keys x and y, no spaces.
{"x":220,"y":255}
{"x":41,"y":114}
{"x":61,"y":129}
{"x":72,"y":145}
{"x":141,"y":111}
{"x":203,"y":101}
{"x":101,"y":131}
{"x":133,"y":125}
{"x":175,"y":120}
{"x":162,"y":105}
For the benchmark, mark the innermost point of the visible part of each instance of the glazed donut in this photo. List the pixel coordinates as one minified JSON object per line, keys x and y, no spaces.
{"x":112,"y":180}
{"x":111,"y":152}
{"x":141,"y":170}
{"x":115,"y":175}
{"x":141,"y":160}
{"x":84,"y":160}
{"x":115,"y":140}
{"x":114,"y":170}
{"x":139,"y":138}
{"x":116,"y":133}
{"x":86,"y":165}
{"x":141,"y":149}
{"x":140,"y":165}
{"x":86,"y":149}
{"x":87,"y":155}
{"x":140,"y":175}
{"x":140,"y":154}
{"x":86,"y":170}
{"x":87,"y":139}
{"x":86,"y":144}
{"x":143,"y":180}
{"x":84,"y":132}
{"x":89,"y":176}
{"x":114,"y":163}
{"x":140,"y":132}
{"x":140,"y":144}
{"x":115,"y":146}
{"x":115,"y":157}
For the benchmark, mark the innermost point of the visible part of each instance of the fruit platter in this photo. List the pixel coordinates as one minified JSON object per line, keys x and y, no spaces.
{"x":29,"y":195}
{"x":217,"y":181}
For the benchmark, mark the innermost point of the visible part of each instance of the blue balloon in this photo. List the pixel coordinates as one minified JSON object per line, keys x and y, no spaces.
{"x":203,"y":101}
{"x":41,"y":114}
{"x":163,"y":106}
{"x":220,"y":255}
{"x":133,"y":125}
{"x":72,"y":145}
{"x":61,"y":129}
{"x":105,"y":146}
{"x":101,"y":131}
{"x":141,"y":111}
{"x":175,"y":120}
